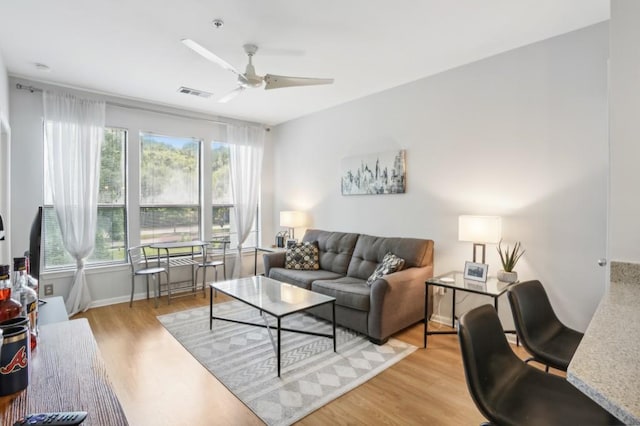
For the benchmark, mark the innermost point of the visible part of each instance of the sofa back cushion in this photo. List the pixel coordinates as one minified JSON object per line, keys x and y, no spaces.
{"x":335,"y":248}
{"x":370,"y":251}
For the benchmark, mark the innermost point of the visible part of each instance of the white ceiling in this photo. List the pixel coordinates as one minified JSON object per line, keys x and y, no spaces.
{"x":132,"y":48}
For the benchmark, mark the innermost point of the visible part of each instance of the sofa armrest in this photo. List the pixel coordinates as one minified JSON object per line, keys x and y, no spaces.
{"x":273,"y":260}
{"x":397,"y":301}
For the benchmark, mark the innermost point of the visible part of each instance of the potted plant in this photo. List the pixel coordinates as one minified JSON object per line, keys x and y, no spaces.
{"x":509,"y":257}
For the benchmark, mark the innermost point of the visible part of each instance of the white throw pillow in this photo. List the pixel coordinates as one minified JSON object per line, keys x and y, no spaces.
{"x":390,"y":263}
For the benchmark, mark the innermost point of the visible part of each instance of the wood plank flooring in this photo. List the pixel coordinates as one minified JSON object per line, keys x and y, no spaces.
{"x":158,"y":382}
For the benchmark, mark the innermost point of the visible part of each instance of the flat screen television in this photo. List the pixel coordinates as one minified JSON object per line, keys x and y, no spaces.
{"x":35,"y":237}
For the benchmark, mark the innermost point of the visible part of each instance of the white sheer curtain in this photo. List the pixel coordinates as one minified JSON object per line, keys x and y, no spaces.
{"x":74,"y":132}
{"x":247,"y":147}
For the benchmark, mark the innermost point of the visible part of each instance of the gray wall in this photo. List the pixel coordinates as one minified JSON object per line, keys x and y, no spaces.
{"x":522,"y":135}
{"x":624,"y":228}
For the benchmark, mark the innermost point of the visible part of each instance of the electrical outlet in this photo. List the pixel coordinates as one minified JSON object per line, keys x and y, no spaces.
{"x":441,"y":291}
{"x":48,"y":289}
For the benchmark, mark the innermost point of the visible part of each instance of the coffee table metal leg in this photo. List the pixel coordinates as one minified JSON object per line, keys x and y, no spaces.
{"x":210,"y":309}
{"x":333,"y":320}
{"x":278,"y":346}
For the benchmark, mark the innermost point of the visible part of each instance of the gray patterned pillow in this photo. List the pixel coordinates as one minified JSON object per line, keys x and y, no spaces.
{"x":390,"y":263}
{"x":303,"y":257}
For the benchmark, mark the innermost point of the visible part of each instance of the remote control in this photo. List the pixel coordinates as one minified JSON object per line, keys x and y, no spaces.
{"x":63,"y":418}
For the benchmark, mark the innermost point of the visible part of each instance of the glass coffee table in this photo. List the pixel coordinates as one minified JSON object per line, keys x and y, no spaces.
{"x":276,"y":299}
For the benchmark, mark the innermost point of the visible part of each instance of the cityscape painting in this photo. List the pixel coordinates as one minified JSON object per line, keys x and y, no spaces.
{"x":380,"y":173}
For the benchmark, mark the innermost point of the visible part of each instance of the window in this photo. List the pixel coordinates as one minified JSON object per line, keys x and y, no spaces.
{"x":222,"y":198}
{"x":169,"y":189}
{"x":111,"y":226}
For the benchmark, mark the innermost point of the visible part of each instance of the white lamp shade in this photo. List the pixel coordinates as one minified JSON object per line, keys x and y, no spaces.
{"x":480,"y":229}
{"x":292,"y":219}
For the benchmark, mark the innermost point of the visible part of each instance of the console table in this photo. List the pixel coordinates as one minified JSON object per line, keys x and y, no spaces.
{"x":67,"y":374}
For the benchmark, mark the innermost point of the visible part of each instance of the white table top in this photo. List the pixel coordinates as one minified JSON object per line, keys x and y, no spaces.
{"x":606,"y":366}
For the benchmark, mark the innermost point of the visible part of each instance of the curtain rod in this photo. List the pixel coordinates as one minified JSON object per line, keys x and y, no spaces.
{"x":33,"y":89}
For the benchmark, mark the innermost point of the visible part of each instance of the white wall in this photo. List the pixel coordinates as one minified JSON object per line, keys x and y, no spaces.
{"x":4,"y":88}
{"x":5,"y":153}
{"x":522,"y":135}
{"x":624,"y":223}
{"x":106,"y":284}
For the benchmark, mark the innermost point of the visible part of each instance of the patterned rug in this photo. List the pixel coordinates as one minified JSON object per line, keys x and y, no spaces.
{"x":243,"y":359}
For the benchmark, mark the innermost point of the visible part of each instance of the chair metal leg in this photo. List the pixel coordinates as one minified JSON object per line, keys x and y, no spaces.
{"x":204,"y":282}
{"x":133,"y":281}
{"x":156,"y":289}
{"x":147,"y":287}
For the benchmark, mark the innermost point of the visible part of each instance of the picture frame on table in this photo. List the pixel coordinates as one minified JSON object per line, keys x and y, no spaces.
{"x":476,"y":271}
{"x":291,"y":242}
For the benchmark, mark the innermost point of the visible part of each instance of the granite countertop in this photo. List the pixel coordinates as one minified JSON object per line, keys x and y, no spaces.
{"x":606,"y":366}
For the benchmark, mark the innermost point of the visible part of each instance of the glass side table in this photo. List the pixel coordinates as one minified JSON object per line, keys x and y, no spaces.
{"x":455,"y":281}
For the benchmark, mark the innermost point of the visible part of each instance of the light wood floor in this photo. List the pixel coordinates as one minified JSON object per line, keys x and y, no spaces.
{"x":158,"y":382}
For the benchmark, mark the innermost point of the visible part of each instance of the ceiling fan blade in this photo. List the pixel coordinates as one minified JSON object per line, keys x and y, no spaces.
{"x":226,"y":98}
{"x":207,"y":54}
{"x":278,"y":81}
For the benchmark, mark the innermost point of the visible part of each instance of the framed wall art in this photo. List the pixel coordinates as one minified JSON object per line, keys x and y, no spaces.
{"x":380,"y":173}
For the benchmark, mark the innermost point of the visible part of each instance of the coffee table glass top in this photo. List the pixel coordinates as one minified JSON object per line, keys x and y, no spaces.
{"x":274,"y":297}
{"x":456,"y":280}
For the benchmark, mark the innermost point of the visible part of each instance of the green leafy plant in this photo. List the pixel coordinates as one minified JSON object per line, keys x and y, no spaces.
{"x":509,"y":257}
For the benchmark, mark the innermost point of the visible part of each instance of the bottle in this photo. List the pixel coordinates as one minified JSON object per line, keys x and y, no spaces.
{"x":9,"y":308}
{"x":31,"y":281}
{"x":26,"y":296}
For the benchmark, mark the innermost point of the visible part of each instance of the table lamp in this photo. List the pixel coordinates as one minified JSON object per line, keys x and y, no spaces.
{"x":479,"y":230}
{"x":292,"y":219}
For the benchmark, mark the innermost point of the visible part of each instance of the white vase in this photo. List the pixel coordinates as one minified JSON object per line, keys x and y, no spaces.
{"x":508,"y":277}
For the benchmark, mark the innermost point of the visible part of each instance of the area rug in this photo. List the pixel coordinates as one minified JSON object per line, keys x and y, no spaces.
{"x":243,"y":359}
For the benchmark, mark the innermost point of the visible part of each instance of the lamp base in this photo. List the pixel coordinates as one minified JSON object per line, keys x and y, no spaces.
{"x":475,"y":252}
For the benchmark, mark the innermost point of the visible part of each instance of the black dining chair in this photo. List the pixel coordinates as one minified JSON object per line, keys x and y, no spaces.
{"x":547,"y":340}
{"x":509,"y":392}
{"x":140,"y":267}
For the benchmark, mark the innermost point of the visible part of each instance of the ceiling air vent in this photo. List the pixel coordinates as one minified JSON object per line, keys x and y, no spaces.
{"x":194,"y":92}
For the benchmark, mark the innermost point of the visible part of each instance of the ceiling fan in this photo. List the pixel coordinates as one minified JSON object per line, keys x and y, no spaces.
{"x":249,"y":79}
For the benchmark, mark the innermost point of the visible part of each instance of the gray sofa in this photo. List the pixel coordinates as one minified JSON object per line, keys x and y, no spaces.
{"x":390,"y":304}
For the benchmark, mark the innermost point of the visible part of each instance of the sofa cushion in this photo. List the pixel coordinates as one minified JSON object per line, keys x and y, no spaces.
{"x":301,"y":278}
{"x":370,"y":251}
{"x":335,"y":249}
{"x":302,"y":256}
{"x":390,"y":264}
{"x":349,"y":292}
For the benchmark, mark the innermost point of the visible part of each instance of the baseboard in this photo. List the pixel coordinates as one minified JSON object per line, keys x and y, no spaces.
{"x":441,"y":319}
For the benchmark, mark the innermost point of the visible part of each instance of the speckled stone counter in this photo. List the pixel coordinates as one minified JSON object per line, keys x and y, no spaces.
{"x":606,"y":366}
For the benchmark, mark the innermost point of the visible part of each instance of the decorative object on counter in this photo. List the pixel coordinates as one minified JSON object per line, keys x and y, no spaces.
{"x":509,"y":257}
{"x":26,"y":296}
{"x":292,"y":220}
{"x":476,"y":271}
{"x":14,"y":360}
{"x":9,"y":307}
{"x":479,"y":230}
{"x":280,"y":238}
